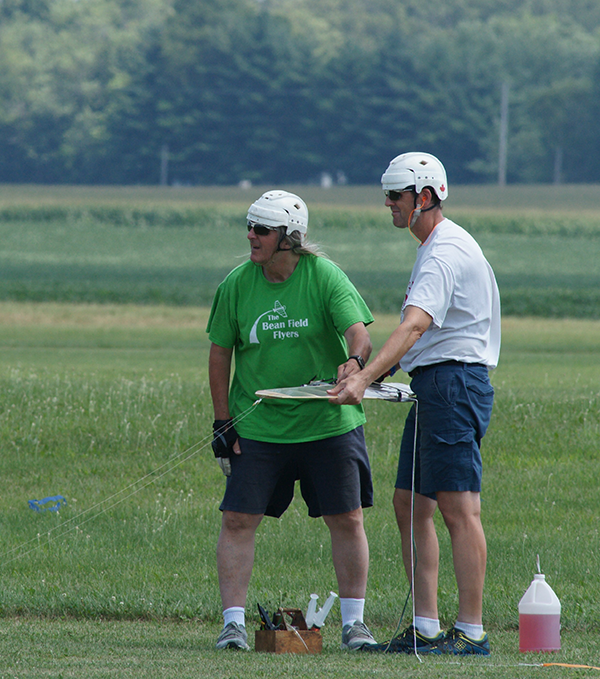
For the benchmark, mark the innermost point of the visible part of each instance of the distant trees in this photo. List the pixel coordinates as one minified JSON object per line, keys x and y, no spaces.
{"x":95,"y":91}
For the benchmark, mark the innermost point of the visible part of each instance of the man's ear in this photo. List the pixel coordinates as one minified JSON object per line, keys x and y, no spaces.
{"x":423,"y":199}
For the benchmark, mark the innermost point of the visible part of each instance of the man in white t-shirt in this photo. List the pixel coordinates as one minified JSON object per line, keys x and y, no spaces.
{"x":447,"y":341}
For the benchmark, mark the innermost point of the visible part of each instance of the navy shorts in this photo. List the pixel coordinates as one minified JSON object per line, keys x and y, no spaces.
{"x":334,"y":475}
{"x":454,"y":410}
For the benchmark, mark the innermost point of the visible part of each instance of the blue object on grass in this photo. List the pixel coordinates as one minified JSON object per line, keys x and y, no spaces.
{"x":51,"y":504}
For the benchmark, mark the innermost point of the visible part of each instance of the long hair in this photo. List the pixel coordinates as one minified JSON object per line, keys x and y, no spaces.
{"x":299,"y":245}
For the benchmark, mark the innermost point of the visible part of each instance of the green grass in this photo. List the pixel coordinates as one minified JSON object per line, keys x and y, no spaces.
{"x":109,"y":406}
{"x":86,"y":417}
{"x":95,"y":649}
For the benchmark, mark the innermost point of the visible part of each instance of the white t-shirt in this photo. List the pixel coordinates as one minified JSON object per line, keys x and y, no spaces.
{"x":454,"y":283}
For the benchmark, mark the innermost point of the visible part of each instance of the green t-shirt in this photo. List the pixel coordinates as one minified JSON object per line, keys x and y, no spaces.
{"x":284,"y":335}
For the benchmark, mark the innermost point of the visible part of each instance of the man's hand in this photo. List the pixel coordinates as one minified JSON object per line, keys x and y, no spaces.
{"x":224,"y":444}
{"x":350,"y":367}
{"x":349,"y":391}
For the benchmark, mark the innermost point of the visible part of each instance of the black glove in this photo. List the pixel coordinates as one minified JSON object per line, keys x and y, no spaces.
{"x":394,"y":369}
{"x":225,"y":436}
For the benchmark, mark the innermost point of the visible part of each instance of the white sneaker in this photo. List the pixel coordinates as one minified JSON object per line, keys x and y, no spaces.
{"x":356,"y":636}
{"x":233,"y":636}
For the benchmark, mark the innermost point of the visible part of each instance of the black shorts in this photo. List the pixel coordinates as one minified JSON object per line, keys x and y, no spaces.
{"x":334,"y":475}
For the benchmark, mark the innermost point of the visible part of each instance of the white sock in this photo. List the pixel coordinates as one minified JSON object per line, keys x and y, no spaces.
{"x":474,"y":632}
{"x":234,"y":614}
{"x":352,"y":610}
{"x":429,"y":627}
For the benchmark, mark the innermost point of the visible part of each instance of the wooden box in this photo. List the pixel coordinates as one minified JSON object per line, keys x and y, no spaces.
{"x":284,"y":641}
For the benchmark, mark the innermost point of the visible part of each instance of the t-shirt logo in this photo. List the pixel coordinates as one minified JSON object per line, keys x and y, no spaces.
{"x":276,"y":327}
{"x":277,"y":311}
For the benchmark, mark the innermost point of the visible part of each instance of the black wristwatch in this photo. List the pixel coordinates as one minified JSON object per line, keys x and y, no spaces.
{"x":359,"y":360}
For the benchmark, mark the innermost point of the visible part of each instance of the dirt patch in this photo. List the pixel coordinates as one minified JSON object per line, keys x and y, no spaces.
{"x":24,"y":314}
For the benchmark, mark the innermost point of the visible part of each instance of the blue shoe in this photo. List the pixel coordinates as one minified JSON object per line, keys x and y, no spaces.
{"x":406,"y":642}
{"x":458,"y":643}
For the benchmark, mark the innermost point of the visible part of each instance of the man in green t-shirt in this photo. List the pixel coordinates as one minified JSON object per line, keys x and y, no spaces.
{"x":288,"y":316}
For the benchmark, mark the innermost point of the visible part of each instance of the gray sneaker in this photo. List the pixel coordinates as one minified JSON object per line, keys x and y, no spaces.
{"x":233,"y":636}
{"x":357,"y":636}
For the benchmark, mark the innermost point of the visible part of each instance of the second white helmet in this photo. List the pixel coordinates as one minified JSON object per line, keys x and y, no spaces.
{"x":280,"y":208}
{"x":418,"y":170}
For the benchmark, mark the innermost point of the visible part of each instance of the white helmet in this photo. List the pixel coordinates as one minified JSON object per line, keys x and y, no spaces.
{"x":418,"y":170}
{"x":280,"y":208}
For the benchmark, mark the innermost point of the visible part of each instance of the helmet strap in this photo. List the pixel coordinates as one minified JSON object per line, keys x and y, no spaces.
{"x":282,"y":235}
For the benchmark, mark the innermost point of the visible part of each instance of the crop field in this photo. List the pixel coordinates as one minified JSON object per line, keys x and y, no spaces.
{"x":104,"y":400}
{"x":173,"y":246}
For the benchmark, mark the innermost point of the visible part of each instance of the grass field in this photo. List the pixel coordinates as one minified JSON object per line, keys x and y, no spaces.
{"x":108,"y":406}
{"x":104,"y":400}
{"x":97,"y":649}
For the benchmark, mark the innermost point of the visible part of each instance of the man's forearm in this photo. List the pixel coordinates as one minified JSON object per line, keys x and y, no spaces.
{"x":399,"y":342}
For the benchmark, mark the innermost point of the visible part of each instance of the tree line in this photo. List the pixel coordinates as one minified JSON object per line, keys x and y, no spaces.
{"x":274,"y":91}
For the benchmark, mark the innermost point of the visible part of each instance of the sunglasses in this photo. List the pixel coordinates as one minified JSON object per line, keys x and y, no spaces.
{"x":396,"y":195}
{"x":261,"y":230}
